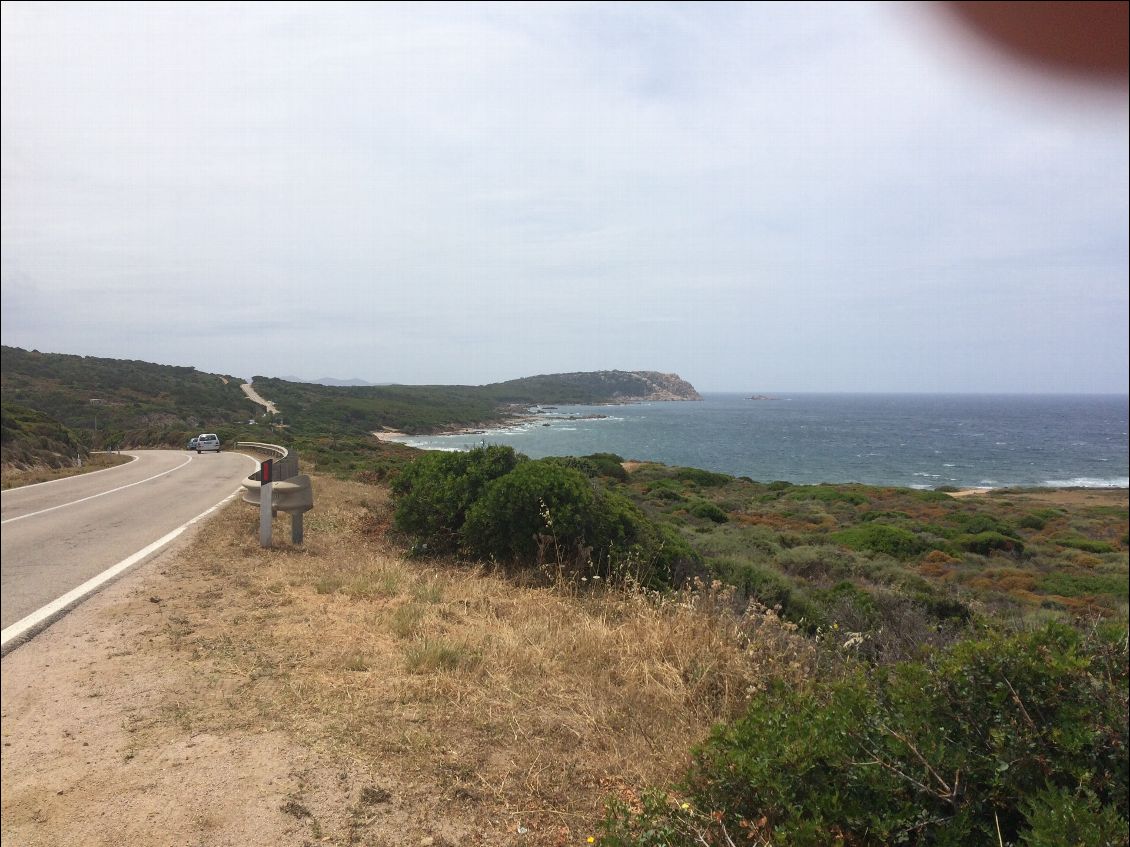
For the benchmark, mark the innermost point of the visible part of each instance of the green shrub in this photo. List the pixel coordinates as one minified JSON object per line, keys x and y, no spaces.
{"x":934,"y":495}
{"x":826,"y":494}
{"x":536,"y":502}
{"x":756,"y":581}
{"x":704,"y":479}
{"x":884,"y":515}
{"x":985,"y":543}
{"x":435,"y":492}
{"x":708,"y":511}
{"x":1082,"y":584}
{"x":975,"y":524}
{"x":989,"y":741}
{"x":818,"y":563}
{"x":594,"y":465}
{"x":880,"y":538}
{"x":1061,"y":817}
{"x":665,"y":489}
{"x":609,"y":465}
{"x":1033,"y":521}
{"x":1088,"y":545}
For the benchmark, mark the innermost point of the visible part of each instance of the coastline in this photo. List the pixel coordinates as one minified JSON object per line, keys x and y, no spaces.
{"x":973,"y":449}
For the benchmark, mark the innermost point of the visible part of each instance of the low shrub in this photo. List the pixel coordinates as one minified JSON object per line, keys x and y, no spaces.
{"x":881,"y":538}
{"x":708,"y":511}
{"x":985,"y":543}
{"x":826,"y":494}
{"x":1088,"y":545}
{"x":538,"y":503}
{"x":435,"y":492}
{"x":757,"y":582}
{"x":1001,"y":739}
{"x":701,"y":478}
{"x":1083,"y":584}
{"x":978,"y":523}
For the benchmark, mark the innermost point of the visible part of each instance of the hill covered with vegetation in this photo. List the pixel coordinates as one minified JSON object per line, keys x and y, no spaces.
{"x":134,"y":403}
{"x":356,"y":410}
{"x":32,"y":439}
{"x":122,"y":401}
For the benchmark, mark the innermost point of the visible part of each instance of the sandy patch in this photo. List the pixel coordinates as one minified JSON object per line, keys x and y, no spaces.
{"x":389,"y":435}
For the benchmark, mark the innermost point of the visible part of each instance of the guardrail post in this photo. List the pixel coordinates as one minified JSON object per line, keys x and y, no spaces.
{"x":296,"y":528}
{"x":265,"y":486}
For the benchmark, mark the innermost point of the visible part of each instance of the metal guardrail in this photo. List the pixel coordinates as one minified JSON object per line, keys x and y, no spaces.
{"x":285,"y":467}
{"x":286,"y":490}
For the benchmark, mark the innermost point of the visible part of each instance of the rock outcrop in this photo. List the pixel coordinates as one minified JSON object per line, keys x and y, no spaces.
{"x":662,"y":386}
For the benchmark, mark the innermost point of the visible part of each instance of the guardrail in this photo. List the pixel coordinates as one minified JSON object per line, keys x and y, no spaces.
{"x":285,"y":490}
{"x":285,"y":466}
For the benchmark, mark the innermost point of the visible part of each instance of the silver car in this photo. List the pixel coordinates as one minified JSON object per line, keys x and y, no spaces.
{"x":207,"y":441}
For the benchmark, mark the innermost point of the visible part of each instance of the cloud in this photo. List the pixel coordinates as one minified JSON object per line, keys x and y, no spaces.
{"x":469,"y":193}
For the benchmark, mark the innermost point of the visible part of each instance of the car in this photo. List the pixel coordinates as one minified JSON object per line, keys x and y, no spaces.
{"x":207,"y":441}
{"x":191,"y":444}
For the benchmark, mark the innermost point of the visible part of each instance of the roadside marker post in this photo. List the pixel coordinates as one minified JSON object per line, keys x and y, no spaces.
{"x":265,"y":485}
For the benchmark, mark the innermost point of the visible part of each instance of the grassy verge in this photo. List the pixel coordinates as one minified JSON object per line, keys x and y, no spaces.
{"x":514,"y":706}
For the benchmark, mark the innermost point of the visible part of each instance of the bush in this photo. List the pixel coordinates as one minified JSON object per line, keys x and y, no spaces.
{"x":755,"y":581}
{"x":708,"y":511}
{"x":1087,"y":545}
{"x":827,"y":494}
{"x":435,"y":492}
{"x":594,"y":465}
{"x":974,"y":524}
{"x":537,"y":503}
{"x":880,"y":538}
{"x":1025,"y":735}
{"x":986,"y":542}
{"x":1060,"y":817}
{"x":701,"y":478}
{"x":609,"y":465}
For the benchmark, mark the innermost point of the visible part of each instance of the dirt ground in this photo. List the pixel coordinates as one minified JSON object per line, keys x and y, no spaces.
{"x":100,"y":746}
{"x":222,"y":694}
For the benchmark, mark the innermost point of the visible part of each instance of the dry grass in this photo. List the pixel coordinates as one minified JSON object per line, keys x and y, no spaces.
{"x":506,"y":704}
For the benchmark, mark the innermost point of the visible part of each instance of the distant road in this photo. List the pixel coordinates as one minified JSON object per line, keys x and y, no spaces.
{"x":254,"y":397}
{"x":57,"y":535}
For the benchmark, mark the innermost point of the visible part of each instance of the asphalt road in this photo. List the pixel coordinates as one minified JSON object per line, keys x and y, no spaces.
{"x":57,"y":535}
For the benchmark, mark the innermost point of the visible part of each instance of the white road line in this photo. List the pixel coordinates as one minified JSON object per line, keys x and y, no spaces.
{"x":93,"y":496}
{"x":132,"y":459}
{"x":53,"y":608}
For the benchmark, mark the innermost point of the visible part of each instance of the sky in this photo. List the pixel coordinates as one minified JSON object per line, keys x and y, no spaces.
{"x":760,"y":197}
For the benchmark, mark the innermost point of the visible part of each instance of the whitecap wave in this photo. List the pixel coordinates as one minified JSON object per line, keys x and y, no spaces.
{"x":1088,"y":482}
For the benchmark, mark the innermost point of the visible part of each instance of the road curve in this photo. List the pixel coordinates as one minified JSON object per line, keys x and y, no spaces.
{"x":57,"y":535}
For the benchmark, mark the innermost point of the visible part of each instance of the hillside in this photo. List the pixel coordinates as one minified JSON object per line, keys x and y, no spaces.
{"x":356,"y":410}
{"x":142,"y":403}
{"x":134,"y":401}
{"x":593,"y":388}
{"x":32,"y":439}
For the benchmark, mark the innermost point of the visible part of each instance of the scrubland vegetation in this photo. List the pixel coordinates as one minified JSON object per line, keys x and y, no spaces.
{"x":971,"y":679}
{"x":653,"y":655}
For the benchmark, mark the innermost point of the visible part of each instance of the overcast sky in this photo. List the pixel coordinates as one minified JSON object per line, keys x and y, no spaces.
{"x":771,"y":197}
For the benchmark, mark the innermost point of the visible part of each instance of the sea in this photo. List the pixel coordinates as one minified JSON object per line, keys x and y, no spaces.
{"x":910,"y":440}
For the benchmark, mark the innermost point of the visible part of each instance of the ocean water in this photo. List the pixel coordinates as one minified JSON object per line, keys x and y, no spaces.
{"x":922,"y":441}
